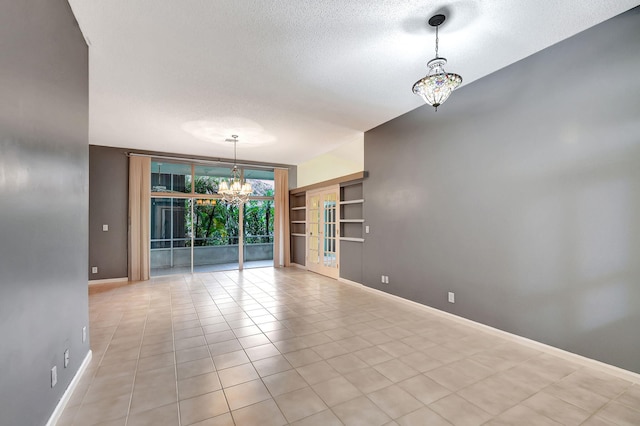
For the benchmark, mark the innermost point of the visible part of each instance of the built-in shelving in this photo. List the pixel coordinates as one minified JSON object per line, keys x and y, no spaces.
{"x":351,"y":221}
{"x":297,"y":217}
{"x":351,"y":212}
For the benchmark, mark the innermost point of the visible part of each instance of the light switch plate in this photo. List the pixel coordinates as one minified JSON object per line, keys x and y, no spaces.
{"x":105,"y":228}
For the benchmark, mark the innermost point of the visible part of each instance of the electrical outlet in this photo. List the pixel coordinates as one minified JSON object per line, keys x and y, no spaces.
{"x":66,"y":358}
{"x":382,"y":279}
{"x":386,"y":279}
{"x":84,"y":334}
{"x":366,"y":229}
{"x":452,"y":297}
{"x":94,"y":269}
{"x":54,"y":376}
{"x":105,"y":228}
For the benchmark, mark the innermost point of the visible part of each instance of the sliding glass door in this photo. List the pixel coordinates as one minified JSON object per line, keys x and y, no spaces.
{"x":216,"y":236}
{"x":170,"y":240}
{"x":258,"y":234}
{"x":193,"y":230}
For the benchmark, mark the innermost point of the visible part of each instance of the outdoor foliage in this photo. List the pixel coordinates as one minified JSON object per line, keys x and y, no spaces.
{"x":217,"y":224}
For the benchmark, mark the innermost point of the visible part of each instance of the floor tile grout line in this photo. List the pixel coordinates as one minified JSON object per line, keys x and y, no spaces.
{"x":175,"y":357}
{"x":247,"y":293}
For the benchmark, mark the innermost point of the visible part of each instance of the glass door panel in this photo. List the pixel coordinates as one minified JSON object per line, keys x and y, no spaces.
{"x":258,"y":234}
{"x":313,"y":225}
{"x":329,"y":207}
{"x":215,"y":236}
{"x":170,"y":238}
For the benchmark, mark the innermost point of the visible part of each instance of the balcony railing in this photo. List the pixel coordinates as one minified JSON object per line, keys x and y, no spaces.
{"x":176,"y":252}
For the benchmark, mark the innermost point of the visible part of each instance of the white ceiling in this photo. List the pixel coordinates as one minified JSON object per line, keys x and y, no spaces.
{"x":293,"y":78}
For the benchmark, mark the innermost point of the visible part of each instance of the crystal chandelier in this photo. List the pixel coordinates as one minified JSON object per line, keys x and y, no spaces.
{"x":436,"y":87}
{"x":235,"y":191}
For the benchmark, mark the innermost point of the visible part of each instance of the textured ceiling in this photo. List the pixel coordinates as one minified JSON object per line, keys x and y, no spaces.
{"x":293,"y":78}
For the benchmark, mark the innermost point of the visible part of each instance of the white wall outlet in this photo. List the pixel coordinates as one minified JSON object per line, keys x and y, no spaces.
{"x":382,"y":279}
{"x":54,"y":376}
{"x":66,"y":358}
{"x":105,"y":228}
{"x":366,"y":229}
{"x":386,"y":279}
{"x":84,"y":334}
{"x":452,"y":297}
{"x":94,"y":269}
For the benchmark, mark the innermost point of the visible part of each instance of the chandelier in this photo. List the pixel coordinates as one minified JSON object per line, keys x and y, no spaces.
{"x":235,"y":191}
{"x":436,"y":87}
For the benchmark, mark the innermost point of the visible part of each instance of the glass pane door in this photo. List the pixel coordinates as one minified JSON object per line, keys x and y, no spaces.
{"x":329,"y":208}
{"x":258,"y":234}
{"x":313,"y":229}
{"x":322,"y":233}
{"x":215,"y":236}
{"x":170,"y":238}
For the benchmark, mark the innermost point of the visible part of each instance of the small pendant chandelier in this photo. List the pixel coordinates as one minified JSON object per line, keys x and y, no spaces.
{"x":436,"y":87}
{"x":235,"y":191}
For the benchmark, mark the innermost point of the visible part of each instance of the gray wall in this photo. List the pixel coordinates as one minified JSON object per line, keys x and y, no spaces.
{"x":44,"y":205}
{"x":108,"y":205}
{"x":522,"y":196}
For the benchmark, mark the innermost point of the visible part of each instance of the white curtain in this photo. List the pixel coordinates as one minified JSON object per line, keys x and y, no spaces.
{"x":281,"y":237}
{"x":139,"y":200}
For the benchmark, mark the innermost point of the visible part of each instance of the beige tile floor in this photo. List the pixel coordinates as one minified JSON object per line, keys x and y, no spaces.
{"x":284,"y":346}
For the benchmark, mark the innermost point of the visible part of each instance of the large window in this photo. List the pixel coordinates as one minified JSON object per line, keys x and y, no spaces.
{"x":192,"y":229}
{"x":170,"y":177}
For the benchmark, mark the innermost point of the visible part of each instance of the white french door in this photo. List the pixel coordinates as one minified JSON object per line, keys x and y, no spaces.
{"x":323,"y":231}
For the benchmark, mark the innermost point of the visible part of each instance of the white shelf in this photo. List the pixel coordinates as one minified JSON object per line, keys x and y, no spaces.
{"x":298,"y":208}
{"x":342,"y":203}
{"x":298,"y":235}
{"x":355,"y":240}
{"x":351,"y":220}
{"x":298,"y":221}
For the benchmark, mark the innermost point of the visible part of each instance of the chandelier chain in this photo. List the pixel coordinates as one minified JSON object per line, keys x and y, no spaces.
{"x":437,"y":40}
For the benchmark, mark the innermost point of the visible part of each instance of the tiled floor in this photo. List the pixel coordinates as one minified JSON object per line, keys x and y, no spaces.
{"x":284,"y":346}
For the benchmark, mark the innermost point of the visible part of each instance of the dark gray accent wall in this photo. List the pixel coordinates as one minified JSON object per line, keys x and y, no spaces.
{"x":108,"y":205}
{"x":44,"y":205}
{"x":521,"y":194}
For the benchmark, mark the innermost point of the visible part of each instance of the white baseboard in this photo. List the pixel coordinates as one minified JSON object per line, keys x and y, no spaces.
{"x":353,"y":283}
{"x":543,"y":347}
{"x":109,"y":281}
{"x":55,"y":416}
